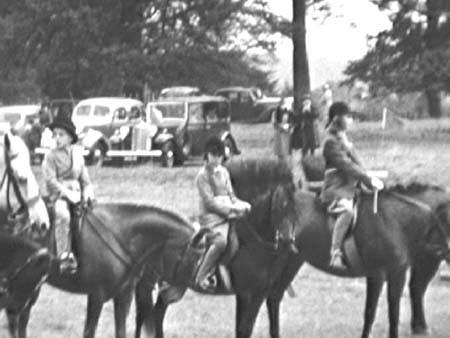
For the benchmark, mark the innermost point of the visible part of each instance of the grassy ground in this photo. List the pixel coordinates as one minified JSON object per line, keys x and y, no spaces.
{"x":325,"y":306}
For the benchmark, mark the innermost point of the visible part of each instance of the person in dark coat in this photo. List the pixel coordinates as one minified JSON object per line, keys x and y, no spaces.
{"x":282,"y":119}
{"x":343,"y":170}
{"x":310,"y":128}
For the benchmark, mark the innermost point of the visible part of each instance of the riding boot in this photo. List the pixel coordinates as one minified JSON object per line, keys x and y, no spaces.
{"x":207,"y":266}
{"x":69,"y":261}
{"x":340,"y":229}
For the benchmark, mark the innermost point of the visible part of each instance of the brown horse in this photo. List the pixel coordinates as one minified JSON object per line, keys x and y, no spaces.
{"x":115,"y":242}
{"x":258,"y":262}
{"x":24,"y":266}
{"x":404,"y":233}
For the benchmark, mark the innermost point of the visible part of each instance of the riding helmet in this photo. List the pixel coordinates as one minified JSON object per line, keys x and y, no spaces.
{"x":66,"y":124}
{"x":214,"y":146}
{"x":337,"y":109}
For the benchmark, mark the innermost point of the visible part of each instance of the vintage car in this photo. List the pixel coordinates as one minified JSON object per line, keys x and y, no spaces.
{"x":22,"y":120}
{"x":181,"y":91}
{"x":184,"y":125}
{"x":111,"y":128}
{"x":249,"y":103}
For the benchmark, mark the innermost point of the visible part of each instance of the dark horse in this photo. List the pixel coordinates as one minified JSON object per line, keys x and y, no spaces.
{"x":115,"y":242}
{"x":405,"y":233}
{"x":258,"y":263}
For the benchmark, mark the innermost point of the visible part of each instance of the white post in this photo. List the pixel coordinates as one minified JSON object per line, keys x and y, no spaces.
{"x":384,"y":118}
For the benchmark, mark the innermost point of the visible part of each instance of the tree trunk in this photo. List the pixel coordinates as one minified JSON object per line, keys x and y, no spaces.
{"x":301,"y":79}
{"x":434,"y":103}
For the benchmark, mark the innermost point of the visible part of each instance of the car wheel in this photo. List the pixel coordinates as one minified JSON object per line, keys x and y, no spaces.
{"x":168,"y":155}
{"x":97,"y":155}
{"x":229,"y":148}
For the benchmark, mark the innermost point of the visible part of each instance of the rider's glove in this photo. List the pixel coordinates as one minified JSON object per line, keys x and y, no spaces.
{"x":377,"y":183}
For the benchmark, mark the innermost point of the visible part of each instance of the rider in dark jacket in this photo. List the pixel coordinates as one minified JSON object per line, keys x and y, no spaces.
{"x":343,"y":170}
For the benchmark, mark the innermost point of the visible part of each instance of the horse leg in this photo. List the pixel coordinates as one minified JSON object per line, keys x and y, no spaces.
{"x":247,"y":307}
{"x":396,"y":283}
{"x":374,"y":284}
{"x":421,"y":275}
{"x":122,"y":304}
{"x":94,"y":308}
{"x":276,"y":294}
{"x":144,"y":310}
{"x":13,"y":323}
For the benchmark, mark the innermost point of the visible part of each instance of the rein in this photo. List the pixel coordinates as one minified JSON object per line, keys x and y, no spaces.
{"x":126,"y":257}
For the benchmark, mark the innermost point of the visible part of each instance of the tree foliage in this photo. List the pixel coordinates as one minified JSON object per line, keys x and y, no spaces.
{"x":83,"y":48}
{"x":414,"y":55}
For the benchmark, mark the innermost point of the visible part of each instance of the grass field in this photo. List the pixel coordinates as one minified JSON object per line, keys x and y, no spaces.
{"x":325,"y":306}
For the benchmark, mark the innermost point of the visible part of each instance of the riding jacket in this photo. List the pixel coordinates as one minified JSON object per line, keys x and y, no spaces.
{"x":64,"y":168}
{"x":343,"y":169}
{"x":212,"y":183}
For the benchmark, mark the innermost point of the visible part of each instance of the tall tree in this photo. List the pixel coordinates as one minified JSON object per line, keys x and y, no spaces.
{"x":414,"y":54}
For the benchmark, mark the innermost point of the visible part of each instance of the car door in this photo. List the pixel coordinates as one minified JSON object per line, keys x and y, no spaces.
{"x":196,"y":128}
{"x":213,"y":122}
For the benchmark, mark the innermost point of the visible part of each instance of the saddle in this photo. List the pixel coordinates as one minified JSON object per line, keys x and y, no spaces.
{"x":221,"y":275}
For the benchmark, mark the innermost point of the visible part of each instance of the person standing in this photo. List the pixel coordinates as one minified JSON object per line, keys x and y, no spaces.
{"x":310,"y":134}
{"x":326,"y":100}
{"x":282,"y":125}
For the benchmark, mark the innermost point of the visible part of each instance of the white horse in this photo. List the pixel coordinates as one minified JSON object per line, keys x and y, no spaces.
{"x":17,"y":156}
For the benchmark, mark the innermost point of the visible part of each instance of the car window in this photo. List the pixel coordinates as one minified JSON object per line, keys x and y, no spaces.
{"x":10,"y":117}
{"x":211,"y":111}
{"x":83,"y":111}
{"x":120,"y":114}
{"x":135,"y":113}
{"x":245,"y":97}
{"x":196,"y":113}
{"x":223,"y":112}
{"x":101,"y":110}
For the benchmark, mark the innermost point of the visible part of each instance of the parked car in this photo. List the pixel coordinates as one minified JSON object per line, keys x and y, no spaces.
{"x":181,"y":91}
{"x":185,"y":124}
{"x":62,"y":107}
{"x":22,"y":120}
{"x":112,"y":129}
{"x":249,"y":103}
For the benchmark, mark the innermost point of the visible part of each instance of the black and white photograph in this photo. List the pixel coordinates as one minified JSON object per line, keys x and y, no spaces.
{"x":224,"y":168}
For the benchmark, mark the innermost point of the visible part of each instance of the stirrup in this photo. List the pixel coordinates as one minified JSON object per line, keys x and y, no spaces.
{"x":68,"y":263}
{"x":337,"y":260}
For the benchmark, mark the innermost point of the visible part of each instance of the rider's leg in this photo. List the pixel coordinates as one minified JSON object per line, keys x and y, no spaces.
{"x":68,"y":262}
{"x":340,"y":229}
{"x":215,"y":250}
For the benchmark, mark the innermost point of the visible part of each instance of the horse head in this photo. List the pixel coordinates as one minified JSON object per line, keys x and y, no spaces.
{"x":32,"y":211}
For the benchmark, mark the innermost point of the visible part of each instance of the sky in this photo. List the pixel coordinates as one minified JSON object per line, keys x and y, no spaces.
{"x":331,"y":44}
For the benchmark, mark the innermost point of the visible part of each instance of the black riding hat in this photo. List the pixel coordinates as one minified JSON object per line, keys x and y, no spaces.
{"x":214,"y":146}
{"x":337,"y":109}
{"x":66,"y":124}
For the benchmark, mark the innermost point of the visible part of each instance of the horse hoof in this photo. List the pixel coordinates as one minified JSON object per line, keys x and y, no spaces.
{"x":420,"y":331}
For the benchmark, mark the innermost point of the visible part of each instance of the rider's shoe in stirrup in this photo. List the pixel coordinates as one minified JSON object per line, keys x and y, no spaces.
{"x":68,"y":263}
{"x":337,"y":261}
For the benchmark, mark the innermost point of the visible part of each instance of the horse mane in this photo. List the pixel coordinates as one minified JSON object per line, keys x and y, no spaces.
{"x":135,"y":208}
{"x":253,"y":177}
{"x":413,"y":187}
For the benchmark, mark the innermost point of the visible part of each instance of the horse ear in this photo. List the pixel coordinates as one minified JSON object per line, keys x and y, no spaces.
{"x":7,"y":142}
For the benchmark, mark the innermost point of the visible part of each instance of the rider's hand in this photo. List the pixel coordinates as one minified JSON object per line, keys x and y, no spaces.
{"x":377,"y":183}
{"x":88,"y":194}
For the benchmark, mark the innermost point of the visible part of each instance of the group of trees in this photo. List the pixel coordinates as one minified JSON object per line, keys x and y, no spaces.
{"x":64,"y":48}
{"x":413,"y":55}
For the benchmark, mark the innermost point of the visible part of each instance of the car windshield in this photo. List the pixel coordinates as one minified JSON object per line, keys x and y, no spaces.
{"x":9,"y":117}
{"x":169,"y":111}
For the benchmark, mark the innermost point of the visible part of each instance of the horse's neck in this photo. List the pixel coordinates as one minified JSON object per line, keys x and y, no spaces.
{"x":260,"y":216}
